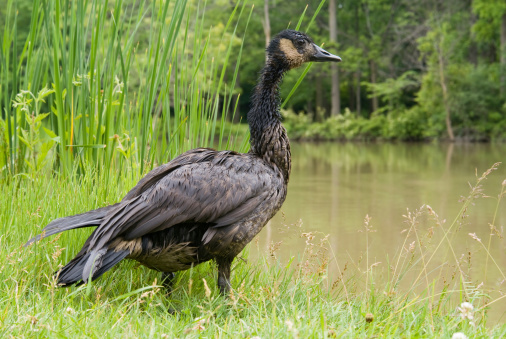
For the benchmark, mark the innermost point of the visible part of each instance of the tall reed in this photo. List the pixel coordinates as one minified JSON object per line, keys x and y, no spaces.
{"x":118,"y":93}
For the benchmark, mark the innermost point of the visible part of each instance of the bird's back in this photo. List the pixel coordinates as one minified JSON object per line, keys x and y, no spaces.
{"x":209,"y":207}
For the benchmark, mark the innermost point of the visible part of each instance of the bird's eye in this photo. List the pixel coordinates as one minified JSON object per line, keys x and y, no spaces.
{"x":300,"y":42}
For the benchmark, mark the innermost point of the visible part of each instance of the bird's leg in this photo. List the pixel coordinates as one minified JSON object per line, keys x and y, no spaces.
{"x":168,"y":281}
{"x":224,"y":274}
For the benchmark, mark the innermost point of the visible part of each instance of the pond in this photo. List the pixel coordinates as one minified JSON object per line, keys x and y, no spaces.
{"x":334,"y":186}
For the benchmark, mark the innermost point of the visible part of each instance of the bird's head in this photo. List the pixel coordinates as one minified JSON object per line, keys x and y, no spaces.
{"x":293,"y":48}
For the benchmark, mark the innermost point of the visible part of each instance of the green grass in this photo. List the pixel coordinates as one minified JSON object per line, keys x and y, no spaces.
{"x":298,"y":298}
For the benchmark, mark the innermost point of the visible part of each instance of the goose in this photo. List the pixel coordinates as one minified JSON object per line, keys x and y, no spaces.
{"x":204,"y":204}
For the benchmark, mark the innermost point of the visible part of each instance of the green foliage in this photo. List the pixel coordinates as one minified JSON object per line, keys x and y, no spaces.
{"x":391,"y":91}
{"x":137,"y":63}
{"x":119,"y":94}
{"x":478,"y":111}
{"x":404,"y":40}
{"x":489,"y":14}
{"x":407,"y":125}
{"x":37,"y":148}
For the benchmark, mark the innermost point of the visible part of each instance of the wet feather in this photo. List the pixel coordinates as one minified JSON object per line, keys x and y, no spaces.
{"x":204,"y":204}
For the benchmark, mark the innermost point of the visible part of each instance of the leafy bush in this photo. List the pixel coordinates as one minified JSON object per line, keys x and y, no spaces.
{"x":409,"y":125}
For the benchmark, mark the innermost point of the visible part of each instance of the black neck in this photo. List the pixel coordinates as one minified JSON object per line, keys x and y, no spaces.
{"x":268,"y":137}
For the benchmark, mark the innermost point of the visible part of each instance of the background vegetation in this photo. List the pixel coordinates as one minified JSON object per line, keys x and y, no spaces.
{"x":429,"y":69}
{"x":120,"y":86}
{"x":410,"y":70}
{"x":126,"y":75}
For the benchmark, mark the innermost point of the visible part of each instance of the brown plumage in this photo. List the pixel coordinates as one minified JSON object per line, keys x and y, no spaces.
{"x":204,"y":204}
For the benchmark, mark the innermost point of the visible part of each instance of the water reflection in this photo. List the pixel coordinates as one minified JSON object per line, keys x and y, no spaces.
{"x":334,"y":186}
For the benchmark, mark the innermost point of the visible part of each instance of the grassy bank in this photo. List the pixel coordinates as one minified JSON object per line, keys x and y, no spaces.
{"x":299,"y":298}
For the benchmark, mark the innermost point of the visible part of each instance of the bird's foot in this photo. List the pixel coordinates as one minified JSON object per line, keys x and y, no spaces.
{"x":168,"y":281}
{"x":224,"y":275}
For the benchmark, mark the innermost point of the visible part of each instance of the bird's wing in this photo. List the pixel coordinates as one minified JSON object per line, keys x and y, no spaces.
{"x":193,"y":156}
{"x":217,"y":187}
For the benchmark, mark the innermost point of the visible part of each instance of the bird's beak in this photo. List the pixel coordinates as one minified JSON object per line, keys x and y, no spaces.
{"x":322,"y":55}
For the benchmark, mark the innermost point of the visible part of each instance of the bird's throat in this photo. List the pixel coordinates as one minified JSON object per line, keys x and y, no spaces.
{"x":268,"y":137}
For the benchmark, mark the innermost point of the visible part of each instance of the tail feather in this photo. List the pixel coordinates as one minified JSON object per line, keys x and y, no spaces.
{"x":77,"y":271}
{"x":110,"y":259}
{"x":91,"y":218}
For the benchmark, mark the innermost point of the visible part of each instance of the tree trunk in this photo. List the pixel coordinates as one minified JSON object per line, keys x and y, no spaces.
{"x":374,"y":99}
{"x":336,"y":98}
{"x":503,"y":55}
{"x":267,"y":23}
{"x":358,"y":94}
{"x":473,"y":47}
{"x":351,"y":93}
{"x":319,"y":111}
{"x":442,"y":81}
{"x":310,"y":109}
{"x":357,"y":73}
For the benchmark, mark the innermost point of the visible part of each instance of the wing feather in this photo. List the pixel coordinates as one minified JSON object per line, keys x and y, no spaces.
{"x":201,"y":186}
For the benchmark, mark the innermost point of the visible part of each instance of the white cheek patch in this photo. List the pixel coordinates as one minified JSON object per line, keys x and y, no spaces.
{"x":294,"y":58}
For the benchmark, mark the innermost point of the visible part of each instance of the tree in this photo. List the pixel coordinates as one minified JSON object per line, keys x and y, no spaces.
{"x":336,"y":95}
{"x":267,"y":23}
{"x":492,"y":20}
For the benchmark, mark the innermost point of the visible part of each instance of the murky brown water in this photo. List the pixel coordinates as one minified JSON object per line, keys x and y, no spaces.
{"x":334,"y":186}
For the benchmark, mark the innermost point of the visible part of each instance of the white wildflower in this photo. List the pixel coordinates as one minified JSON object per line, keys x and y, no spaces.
{"x":291,"y":328}
{"x":466,"y":310}
{"x":459,"y":335}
